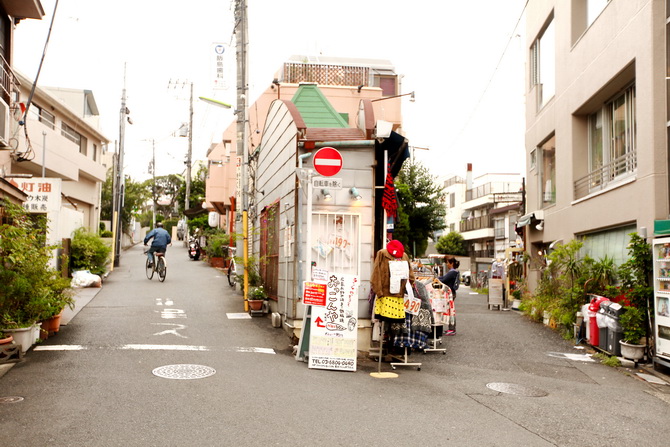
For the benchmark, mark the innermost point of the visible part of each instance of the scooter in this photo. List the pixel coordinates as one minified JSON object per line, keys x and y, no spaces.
{"x":194,"y":249}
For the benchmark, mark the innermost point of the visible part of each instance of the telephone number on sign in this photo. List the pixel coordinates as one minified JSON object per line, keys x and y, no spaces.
{"x":333,"y":363}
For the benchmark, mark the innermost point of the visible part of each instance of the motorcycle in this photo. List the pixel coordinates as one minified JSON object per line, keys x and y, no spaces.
{"x":194,"y":249}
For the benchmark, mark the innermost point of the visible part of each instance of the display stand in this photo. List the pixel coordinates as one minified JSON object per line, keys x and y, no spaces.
{"x":406,"y":363}
{"x":379,"y":374}
{"x":434,"y":342}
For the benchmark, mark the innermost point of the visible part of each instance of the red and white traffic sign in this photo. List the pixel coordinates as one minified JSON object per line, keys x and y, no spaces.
{"x":327,"y":161}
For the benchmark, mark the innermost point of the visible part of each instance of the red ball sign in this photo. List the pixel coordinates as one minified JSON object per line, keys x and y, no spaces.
{"x":327,"y":161}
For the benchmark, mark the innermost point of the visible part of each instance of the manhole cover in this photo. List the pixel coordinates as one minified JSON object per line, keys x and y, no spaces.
{"x":10,"y":399}
{"x":184,"y":371}
{"x":518,"y":390}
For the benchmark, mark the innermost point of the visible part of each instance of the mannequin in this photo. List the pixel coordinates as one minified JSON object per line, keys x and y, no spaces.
{"x":390,"y":273}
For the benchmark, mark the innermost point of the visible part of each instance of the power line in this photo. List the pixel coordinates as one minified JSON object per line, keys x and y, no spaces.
{"x":481,"y":97}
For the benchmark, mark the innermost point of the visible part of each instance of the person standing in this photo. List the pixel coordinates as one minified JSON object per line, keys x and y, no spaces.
{"x":161,"y":239}
{"x":452,"y":279}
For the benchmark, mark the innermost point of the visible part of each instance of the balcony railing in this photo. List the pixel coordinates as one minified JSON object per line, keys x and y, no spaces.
{"x":325,"y":74}
{"x":476,"y":223}
{"x":7,"y":80}
{"x":598,"y":179}
{"x":488,"y":253}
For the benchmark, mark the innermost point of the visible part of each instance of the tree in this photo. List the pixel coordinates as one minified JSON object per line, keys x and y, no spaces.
{"x":451,"y":244}
{"x":197,"y":192}
{"x":136,"y":195}
{"x":421,"y":208}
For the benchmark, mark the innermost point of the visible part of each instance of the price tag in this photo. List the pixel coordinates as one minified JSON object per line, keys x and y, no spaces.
{"x":412,"y":305}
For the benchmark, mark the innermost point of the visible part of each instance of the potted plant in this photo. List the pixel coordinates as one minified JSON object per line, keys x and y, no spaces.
{"x":633,"y":326}
{"x":256,"y":297}
{"x":217,"y":248}
{"x":31,"y":290}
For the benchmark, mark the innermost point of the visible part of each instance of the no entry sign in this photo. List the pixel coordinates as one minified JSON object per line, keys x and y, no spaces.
{"x":327,"y":161}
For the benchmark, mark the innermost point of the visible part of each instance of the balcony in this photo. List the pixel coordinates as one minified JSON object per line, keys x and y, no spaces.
{"x":476,"y":223}
{"x":487,"y":253}
{"x":598,"y":180}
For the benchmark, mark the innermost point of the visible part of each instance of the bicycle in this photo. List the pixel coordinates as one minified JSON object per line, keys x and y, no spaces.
{"x":232,"y":268}
{"x":160,"y":266}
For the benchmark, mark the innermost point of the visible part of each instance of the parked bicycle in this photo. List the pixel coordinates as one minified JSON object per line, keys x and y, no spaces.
{"x":160,"y":266}
{"x":232,"y":268}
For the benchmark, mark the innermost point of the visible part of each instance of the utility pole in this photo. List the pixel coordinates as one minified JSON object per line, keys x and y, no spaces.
{"x":153,"y":173}
{"x":189,"y":153}
{"x":242,"y":93}
{"x":120,"y":182}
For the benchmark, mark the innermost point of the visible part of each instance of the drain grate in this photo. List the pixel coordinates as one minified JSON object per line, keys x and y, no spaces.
{"x":10,"y":399}
{"x":518,"y":390}
{"x":184,"y":372}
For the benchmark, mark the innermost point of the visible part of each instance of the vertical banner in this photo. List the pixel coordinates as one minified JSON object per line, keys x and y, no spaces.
{"x":334,"y":327}
{"x":217,"y":51}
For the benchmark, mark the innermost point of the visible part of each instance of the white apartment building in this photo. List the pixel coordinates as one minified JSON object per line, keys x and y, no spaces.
{"x":484,"y":210}
{"x":596,"y":124}
{"x":55,"y":155}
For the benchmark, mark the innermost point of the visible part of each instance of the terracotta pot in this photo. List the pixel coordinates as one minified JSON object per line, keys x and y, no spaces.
{"x":255,"y":304}
{"x":5,"y":341}
{"x":216,"y":262}
{"x":52,"y":325}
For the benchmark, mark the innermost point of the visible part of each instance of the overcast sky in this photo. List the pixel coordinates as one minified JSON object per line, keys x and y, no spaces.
{"x":469,"y":104}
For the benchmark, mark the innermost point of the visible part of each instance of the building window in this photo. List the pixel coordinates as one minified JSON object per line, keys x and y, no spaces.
{"x":499,"y":228}
{"x":543,"y":64}
{"x":95,"y":152}
{"x":452,"y":200}
{"x":547,"y":172}
{"x":593,"y":10}
{"x":46,"y":118}
{"x":74,"y":136}
{"x":612,"y":144}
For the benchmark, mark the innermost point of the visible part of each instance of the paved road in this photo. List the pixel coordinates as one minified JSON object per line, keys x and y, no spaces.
{"x":102,"y":391}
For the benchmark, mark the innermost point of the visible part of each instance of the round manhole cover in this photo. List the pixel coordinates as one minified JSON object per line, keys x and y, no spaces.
{"x":184,"y":371}
{"x":10,"y":399}
{"x":518,"y":390}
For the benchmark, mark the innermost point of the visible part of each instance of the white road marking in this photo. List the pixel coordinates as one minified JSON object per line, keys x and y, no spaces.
{"x":173,"y":331}
{"x":59,"y":348}
{"x":139,"y":347}
{"x":165,"y":348}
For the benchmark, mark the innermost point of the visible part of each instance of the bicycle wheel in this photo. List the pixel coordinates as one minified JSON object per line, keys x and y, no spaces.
{"x":149,"y":269}
{"x":232,"y":274}
{"x":161,"y":268}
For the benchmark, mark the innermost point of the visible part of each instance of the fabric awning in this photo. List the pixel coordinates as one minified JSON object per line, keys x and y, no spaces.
{"x":528,"y":218}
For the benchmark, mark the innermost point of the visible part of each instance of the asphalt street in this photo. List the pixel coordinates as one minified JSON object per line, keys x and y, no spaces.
{"x":504,"y":381}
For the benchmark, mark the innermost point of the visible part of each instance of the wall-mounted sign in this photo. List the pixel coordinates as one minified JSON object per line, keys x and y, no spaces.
{"x":327,"y":161}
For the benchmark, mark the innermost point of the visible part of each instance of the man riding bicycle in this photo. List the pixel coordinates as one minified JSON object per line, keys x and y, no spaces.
{"x":161,"y":239}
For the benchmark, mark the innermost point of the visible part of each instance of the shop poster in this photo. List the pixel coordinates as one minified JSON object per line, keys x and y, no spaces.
{"x":333,"y":337}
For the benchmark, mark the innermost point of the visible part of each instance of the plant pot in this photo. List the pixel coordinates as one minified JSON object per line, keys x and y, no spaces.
{"x":25,"y":336}
{"x":52,"y":325}
{"x":631,"y":352}
{"x":255,"y":304}
{"x":216,"y":262}
{"x":6,"y":340}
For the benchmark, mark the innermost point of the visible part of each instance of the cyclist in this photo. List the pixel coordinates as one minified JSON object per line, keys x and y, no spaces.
{"x":161,"y":239}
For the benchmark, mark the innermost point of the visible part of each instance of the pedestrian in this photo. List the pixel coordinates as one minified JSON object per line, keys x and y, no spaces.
{"x":161,"y":239}
{"x":452,"y":279}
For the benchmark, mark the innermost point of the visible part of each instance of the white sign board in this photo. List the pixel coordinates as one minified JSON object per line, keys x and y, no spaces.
{"x":44,"y":194}
{"x":333,"y":337}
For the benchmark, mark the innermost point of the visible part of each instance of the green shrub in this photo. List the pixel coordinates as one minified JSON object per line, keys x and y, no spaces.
{"x":89,"y":252}
{"x":217,"y":245}
{"x":106,"y":233}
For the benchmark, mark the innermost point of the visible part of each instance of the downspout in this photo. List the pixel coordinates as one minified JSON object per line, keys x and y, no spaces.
{"x":298,"y":233}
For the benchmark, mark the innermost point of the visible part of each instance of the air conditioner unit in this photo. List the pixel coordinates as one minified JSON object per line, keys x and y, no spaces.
{"x":4,"y":125}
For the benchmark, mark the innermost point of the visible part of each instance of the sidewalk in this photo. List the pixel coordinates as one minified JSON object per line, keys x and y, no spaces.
{"x":82,"y":297}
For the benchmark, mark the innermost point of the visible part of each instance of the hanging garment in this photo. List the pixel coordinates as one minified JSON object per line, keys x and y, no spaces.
{"x":410,"y":338}
{"x":389,"y":199}
{"x":390,"y":307}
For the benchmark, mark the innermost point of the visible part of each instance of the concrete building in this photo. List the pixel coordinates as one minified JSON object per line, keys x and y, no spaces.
{"x":55,"y":155}
{"x":484,"y":210}
{"x":596,"y":124}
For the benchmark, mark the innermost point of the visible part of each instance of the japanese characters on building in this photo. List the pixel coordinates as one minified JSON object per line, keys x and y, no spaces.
{"x":44,"y":194}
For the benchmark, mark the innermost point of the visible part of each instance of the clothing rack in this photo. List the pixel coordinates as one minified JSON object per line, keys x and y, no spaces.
{"x":406,"y":363}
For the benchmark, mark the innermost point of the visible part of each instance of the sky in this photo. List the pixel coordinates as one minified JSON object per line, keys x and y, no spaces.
{"x":463,"y":59}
